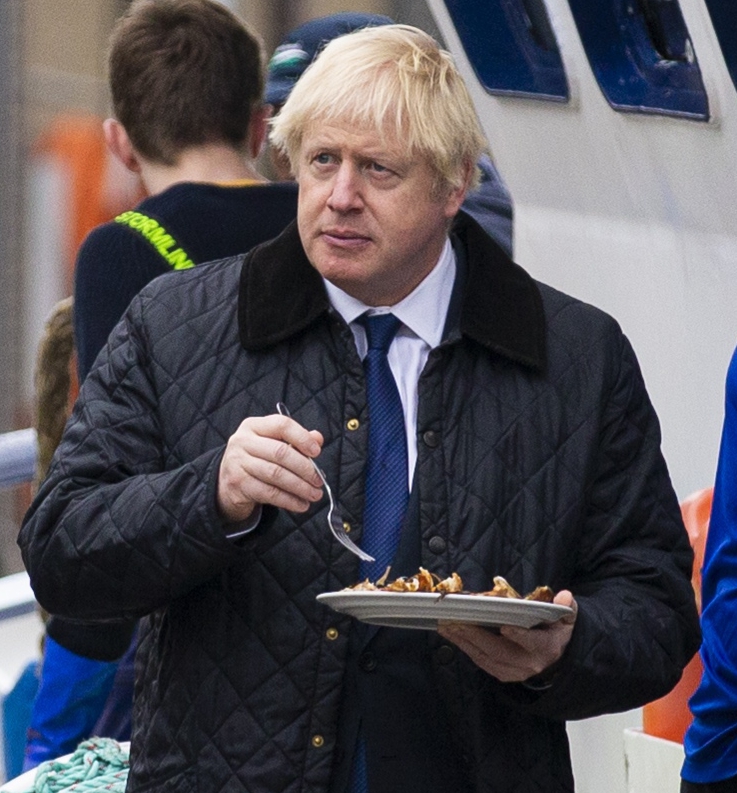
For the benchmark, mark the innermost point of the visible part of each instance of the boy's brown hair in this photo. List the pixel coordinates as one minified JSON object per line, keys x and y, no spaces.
{"x":183,"y":73}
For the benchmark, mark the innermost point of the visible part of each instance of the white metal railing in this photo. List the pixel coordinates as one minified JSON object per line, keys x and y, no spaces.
{"x":20,"y":628}
{"x":17,"y":457}
{"x":16,"y":596}
{"x":17,"y":465}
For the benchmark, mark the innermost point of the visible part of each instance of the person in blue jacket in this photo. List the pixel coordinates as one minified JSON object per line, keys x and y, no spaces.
{"x":711,"y":741}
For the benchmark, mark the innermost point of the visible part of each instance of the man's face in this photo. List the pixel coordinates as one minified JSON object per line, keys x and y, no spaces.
{"x":369,"y":219}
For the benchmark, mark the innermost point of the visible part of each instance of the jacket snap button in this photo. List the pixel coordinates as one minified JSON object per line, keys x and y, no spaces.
{"x":436,"y":544}
{"x":430,"y":438}
{"x":346,"y":526}
{"x":332,"y":634}
{"x":318,"y":741}
{"x":353,"y":424}
{"x":367,"y":662}
{"x":445,"y":654}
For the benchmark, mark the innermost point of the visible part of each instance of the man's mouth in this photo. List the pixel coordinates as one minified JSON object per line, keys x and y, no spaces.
{"x":344,"y":238}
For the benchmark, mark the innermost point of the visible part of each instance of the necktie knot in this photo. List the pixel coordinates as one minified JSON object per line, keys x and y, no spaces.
{"x":380,"y":330}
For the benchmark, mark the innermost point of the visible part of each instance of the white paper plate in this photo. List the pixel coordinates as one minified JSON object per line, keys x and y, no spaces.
{"x":424,"y":609}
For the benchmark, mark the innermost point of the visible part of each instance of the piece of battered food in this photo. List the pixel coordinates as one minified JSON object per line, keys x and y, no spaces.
{"x":541,"y":594}
{"x":425,"y":581}
{"x":502,"y":589}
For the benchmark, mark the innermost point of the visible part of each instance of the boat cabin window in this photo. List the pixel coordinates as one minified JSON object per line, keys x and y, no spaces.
{"x":641,"y":54}
{"x":511,"y":47}
{"x":723,"y":15}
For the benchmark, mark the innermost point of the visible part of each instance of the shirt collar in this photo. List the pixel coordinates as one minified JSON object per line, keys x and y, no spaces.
{"x":424,"y":309}
{"x":280,"y":294}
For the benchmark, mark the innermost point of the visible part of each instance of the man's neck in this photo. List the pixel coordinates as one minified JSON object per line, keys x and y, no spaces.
{"x":215,"y":163}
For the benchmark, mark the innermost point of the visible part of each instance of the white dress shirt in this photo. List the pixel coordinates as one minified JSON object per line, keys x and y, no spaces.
{"x":422,"y":313}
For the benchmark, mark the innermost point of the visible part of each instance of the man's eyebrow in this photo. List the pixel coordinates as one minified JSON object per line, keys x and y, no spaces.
{"x":396,"y":162}
{"x":321,"y":145}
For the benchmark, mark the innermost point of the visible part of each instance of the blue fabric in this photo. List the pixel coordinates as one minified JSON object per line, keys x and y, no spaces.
{"x":115,"y":719}
{"x":17,"y":706}
{"x":72,"y":693}
{"x":490,"y":205}
{"x":711,"y":741}
{"x":359,"y":775}
{"x":386,"y":475}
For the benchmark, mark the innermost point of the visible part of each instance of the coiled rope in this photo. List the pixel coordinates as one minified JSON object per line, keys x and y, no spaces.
{"x":97,"y":764}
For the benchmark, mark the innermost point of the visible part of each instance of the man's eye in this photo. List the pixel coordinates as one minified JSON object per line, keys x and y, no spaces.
{"x":322,"y":158}
{"x":378,"y":167}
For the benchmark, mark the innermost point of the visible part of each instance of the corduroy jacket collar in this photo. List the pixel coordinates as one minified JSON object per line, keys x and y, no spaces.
{"x":281,"y":294}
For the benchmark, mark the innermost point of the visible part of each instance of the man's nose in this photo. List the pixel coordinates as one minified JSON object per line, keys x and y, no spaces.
{"x":346,"y":192}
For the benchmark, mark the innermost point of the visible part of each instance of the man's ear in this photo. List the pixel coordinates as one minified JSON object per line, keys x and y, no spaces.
{"x":457,"y":195}
{"x":119,"y":144}
{"x":257,"y":129}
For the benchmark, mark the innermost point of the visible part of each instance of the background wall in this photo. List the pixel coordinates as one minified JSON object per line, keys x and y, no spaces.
{"x":11,"y":234}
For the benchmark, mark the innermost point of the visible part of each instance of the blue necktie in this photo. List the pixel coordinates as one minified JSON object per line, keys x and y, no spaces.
{"x":386,"y":493}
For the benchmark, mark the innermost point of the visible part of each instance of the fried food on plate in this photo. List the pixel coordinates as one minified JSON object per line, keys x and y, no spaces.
{"x":425,"y":581}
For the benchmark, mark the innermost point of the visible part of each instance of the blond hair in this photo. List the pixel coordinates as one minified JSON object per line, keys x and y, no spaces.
{"x":394,"y":79}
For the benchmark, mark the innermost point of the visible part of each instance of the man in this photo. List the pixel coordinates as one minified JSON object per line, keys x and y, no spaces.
{"x":524,"y":432}
{"x":489,"y":203}
{"x":187,"y":80}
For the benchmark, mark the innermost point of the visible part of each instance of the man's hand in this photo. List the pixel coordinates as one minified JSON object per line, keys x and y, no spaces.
{"x":267,"y":461}
{"x":517,"y":654}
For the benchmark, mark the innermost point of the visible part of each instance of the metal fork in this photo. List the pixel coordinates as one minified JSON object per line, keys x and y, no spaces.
{"x":335,"y":520}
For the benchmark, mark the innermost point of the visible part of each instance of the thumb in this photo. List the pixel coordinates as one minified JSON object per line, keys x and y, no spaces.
{"x":565,"y":598}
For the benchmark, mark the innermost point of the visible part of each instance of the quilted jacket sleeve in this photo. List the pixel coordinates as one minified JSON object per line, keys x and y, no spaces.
{"x":114,"y":530}
{"x":637,"y":625}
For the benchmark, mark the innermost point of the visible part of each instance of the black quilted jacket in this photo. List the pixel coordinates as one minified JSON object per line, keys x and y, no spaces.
{"x":538,"y":460}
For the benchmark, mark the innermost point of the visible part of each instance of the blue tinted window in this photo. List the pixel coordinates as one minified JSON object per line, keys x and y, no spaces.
{"x":642,"y":56}
{"x":724,"y":19}
{"x":511,"y":46}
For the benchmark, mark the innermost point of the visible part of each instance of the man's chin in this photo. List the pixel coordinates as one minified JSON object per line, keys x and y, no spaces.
{"x":351,"y":284}
{"x":341,"y":267}
{"x":352,"y":281}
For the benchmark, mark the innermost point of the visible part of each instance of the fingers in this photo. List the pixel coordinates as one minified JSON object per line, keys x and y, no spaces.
{"x":286,"y":429}
{"x":515,"y":654}
{"x":495,"y":654}
{"x":565,"y":598}
{"x":268,"y":461}
{"x":557,"y":632}
{"x":543,"y":644}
